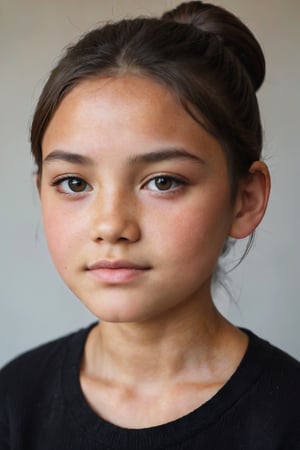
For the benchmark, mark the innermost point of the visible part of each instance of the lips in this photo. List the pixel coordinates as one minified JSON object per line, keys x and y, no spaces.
{"x":114,"y":265}
{"x":116,"y":272}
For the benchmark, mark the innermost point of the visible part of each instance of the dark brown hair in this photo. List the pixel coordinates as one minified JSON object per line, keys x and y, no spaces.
{"x":201,"y":52}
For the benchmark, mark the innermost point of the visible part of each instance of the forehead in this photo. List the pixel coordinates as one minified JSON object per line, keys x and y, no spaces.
{"x":131,"y":109}
{"x":121,"y":96}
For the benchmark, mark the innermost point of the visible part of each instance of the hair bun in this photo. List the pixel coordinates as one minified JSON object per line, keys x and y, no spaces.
{"x":235,"y":35}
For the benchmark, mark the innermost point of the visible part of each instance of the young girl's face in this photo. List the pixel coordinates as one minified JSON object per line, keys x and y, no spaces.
{"x":135,"y":197}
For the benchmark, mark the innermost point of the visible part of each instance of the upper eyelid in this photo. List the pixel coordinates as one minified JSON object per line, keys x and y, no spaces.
{"x":178,"y":178}
{"x":179,"y":183}
{"x":61,"y":178}
{"x":149,"y":177}
{"x":58,"y":181}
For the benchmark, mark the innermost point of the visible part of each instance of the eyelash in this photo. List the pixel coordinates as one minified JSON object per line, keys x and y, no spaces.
{"x":59,"y":182}
{"x":179,"y":183}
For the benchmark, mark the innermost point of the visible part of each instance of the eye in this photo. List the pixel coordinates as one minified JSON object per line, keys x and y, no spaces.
{"x":164,"y":183}
{"x":72,"y":185}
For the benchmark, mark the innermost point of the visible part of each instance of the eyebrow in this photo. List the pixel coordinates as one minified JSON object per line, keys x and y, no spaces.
{"x":151,"y":157}
{"x":164,"y":155}
{"x":73,"y":158}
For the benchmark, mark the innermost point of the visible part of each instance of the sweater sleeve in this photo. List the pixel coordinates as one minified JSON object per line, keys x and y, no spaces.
{"x":4,"y":427}
{"x":4,"y":438}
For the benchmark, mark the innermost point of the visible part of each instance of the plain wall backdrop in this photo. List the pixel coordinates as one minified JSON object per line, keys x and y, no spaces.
{"x":35,"y":305}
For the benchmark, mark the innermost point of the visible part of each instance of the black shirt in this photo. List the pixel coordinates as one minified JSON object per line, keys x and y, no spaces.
{"x":42,"y":406}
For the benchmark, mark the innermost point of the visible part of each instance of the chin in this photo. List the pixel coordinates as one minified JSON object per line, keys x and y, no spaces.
{"x":117,"y":310}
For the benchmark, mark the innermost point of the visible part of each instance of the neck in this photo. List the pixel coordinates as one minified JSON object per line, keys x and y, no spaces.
{"x":160,"y":350}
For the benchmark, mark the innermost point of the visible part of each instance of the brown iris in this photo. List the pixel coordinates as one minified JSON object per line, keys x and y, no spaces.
{"x":77,"y":184}
{"x":163,"y":183}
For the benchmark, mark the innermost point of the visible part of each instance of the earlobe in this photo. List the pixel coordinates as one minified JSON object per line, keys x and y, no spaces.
{"x":251,"y":200}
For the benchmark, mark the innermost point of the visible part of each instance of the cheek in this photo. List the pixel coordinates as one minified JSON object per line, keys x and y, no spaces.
{"x":62,"y":233}
{"x":192,"y":232}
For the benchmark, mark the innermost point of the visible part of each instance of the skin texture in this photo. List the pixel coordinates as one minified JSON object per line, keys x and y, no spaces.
{"x":159,"y":331}
{"x":178,"y":233}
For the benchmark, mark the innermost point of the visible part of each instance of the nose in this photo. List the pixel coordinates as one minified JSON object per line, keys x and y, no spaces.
{"x":114,"y":218}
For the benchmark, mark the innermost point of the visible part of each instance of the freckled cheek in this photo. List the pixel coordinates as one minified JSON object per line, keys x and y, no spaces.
{"x":63,"y":234}
{"x":189,"y":233}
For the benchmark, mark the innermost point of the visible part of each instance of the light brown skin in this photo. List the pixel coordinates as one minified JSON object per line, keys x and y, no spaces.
{"x":162,"y":349}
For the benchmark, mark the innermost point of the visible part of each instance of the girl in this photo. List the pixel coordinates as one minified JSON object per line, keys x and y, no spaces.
{"x":147,"y":140}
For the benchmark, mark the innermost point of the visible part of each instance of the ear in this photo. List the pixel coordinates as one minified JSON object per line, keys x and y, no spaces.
{"x":251,"y":200}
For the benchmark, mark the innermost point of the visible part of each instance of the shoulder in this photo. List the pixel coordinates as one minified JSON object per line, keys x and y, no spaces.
{"x":264,"y":397}
{"x":273,"y":359}
{"x":34,"y":359}
{"x":31,"y":388}
{"x":276,"y":382}
{"x":42,"y":362}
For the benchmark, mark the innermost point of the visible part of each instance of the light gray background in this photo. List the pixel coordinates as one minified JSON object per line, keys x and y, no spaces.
{"x":35,"y":305}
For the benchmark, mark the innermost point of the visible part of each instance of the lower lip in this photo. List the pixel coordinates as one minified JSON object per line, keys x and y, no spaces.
{"x":117,"y":276}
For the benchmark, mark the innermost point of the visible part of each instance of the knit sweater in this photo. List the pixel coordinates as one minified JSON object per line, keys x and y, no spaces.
{"x":42,"y":406}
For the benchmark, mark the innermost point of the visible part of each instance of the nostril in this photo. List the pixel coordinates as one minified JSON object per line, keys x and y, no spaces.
{"x":115,"y":230}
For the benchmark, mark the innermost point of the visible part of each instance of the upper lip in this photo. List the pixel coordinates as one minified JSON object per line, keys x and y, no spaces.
{"x":116,"y":264}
